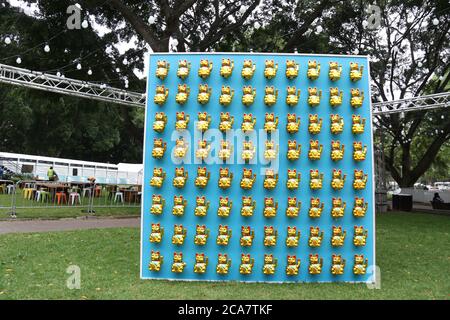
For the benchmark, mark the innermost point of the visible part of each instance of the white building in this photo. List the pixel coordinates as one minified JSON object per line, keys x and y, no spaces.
{"x":72,"y":170}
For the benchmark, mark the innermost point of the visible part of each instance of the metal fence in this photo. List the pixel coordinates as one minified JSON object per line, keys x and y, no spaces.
{"x":15,"y":196}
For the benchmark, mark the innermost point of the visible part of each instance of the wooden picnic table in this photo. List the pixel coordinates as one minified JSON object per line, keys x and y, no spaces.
{"x":53,"y":187}
{"x":129,"y":195}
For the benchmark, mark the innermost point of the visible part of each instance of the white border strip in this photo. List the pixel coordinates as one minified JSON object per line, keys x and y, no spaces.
{"x":143,"y":171}
{"x":373,"y":179}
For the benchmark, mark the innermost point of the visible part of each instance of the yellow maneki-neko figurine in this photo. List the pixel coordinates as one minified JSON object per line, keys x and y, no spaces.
{"x":161,"y":95}
{"x":227,"y":68}
{"x":313,"y":70}
{"x":248,"y":206}
{"x":292,"y":97}
{"x":335,"y":71}
{"x":292,"y":68}
{"x":248,"y":69}
{"x":184,"y":67}
{"x":270,"y":69}
{"x":270,"y":97}
{"x":356,"y":71}
{"x":205,"y":68}
{"x":226,"y":96}
{"x":314,"y":96}
{"x":336,"y":97}
{"x":248,"y":96}
{"x":183,"y":94}
{"x":162,"y":69}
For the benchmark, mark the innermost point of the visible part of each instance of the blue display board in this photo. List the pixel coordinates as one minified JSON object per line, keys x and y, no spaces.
{"x":292,"y":259}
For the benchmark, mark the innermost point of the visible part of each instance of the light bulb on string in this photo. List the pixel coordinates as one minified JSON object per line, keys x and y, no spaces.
{"x":319,"y":29}
{"x":257,"y":25}
{"x":125,"y":61}
{"x":47,"y":48}
{"x":419,"y":64}
{"x":89,"y":72}
{"x":85,"y":24}
{"x":151,"y":20}
{"x":19,"y":60}
{"x":79,"y":66}
{"x":435,"y":21}
{"x":8,"y":40}
{"x":117,"y":69}
{"x":58,"y":74}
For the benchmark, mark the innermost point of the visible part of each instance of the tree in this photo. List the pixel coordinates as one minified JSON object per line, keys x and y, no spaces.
{"x":409,"y":55}
{"x":49,"y":124}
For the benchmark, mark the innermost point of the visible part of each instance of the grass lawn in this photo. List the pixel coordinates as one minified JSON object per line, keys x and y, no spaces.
{"x":413,"y":254}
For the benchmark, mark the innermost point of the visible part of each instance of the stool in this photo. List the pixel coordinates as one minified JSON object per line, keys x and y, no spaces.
{"x":74,"y":197}
{"x":27,"y":193}
{"x":10,"y":188}
{"x":61,"y":197}
{"x":86,"y":190}
{"x":97,"y":192}
{"x":45,"y":196}
{"x":37,"y":196}
{"x":117,"y":196}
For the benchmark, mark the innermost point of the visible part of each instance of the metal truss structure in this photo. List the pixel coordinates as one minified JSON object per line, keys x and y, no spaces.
{"x":83,"y":89}
{"x":47,"y":82}
{"x":428,"y":102}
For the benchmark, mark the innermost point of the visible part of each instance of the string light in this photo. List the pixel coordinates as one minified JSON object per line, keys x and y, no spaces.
{"x":319,"y":29}
{"x":89,"y":72}
{"x":125,"y":61}
{"x":419,"y":64}
{"x":257,"y":25}
{"x":8,"y":40}
{"x":19,"y":60}
{"x":151,"y":20}
{"x":79,"y":66}
{"x":47,"y":48}
{"x":85,"y":24}
{"x":435,"y":21}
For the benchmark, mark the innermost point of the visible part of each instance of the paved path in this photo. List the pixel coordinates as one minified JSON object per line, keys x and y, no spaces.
{"x":66,"y":224}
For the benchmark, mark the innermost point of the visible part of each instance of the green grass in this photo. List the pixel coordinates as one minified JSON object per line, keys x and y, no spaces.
{"x":29,"y":209}
{"x":412,"y":251}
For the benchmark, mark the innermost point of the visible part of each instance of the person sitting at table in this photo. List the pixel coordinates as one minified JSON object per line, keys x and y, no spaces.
{"x":437,"y":198}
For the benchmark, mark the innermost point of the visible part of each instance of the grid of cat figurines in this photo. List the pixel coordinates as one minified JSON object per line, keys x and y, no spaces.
{"x":247,"y":179}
